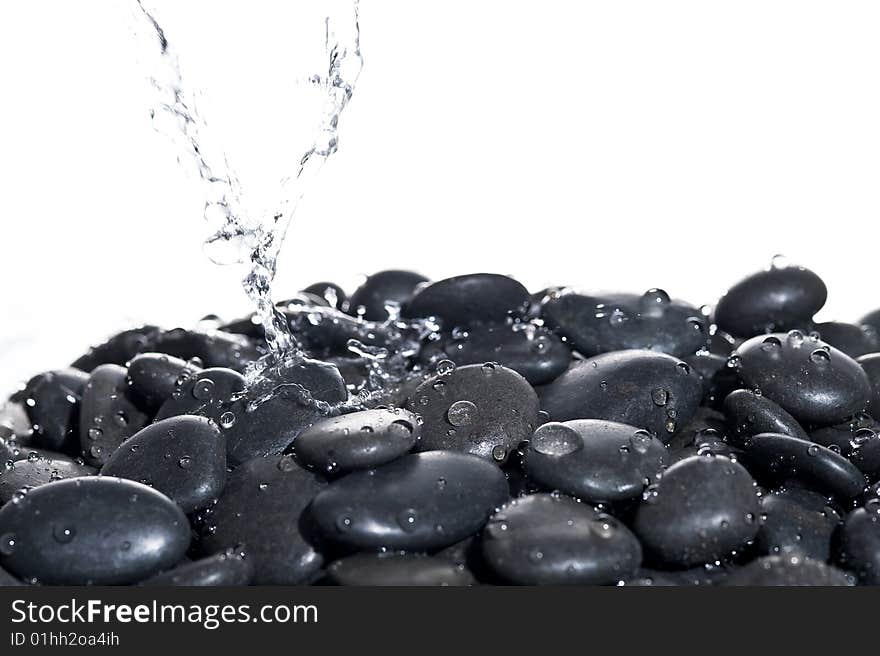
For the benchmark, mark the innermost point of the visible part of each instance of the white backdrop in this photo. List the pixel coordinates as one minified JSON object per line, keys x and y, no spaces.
{"x":618,"y":145}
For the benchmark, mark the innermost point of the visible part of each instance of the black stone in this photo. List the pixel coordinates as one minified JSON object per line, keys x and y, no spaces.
{"x":781,"y":298}
{"x":419,"y":502}
{"x":796,"y":521}
{"x":536,"y":354}
{"x":218,"y":570}
{"x":482,"y":409}
{"x":704,"y":508}
{"x":96,"y":530}
{"x":852,"y":339}
{"x":651,"y":321}
{"x":789,"y":570}
{"x":215,"y":348}
{"x":108,"y":415}
{"x":749,"y":414}
{"x":543,"y":539}
{"x":468,"y":299}
{"x":644,"y":389}
{"x":119,"y":349}
{"x":182,"y":457}
{"x":52,"y":401}
{"x":397,"y":570}
{"x":36,"y":469}
{"x":779,"y":458}
{"x":719,"y":379}
{"x":871,"y":364}
{"x":206,"y":392}
{"x":866,"y":453}
{"x":370,"y":299}
{"x":595,"y":460}
{"x":812,"y":381}
{"x":276,"y":410}
{"x":153,"y":377}
{"x":358,"y":440}
{"x":260,"y":513}
{"x":859,"y":543}
{"x":330,"y":293}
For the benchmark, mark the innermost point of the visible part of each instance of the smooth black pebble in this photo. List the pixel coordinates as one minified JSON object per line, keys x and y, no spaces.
{"x":370,"y":299}
{"x":812,"y":381}
{"x":780,"y":298}
{"x":788,"y":570}
{"x":206,"y":392}
{"x":358,"y":440}
{"x":260,"y":513}
{"x":796,"y":521}
{"x":182,"y":457}
{"x":119,"y":349}
{"x":472,"y":298}
{"x":52,"y":402}
{"x":215,"y":348}
{"x":369,"y":569}
{"x":651,"y":321}
{"x":545,"y":539}
{"x":154,"y":377}
{"x":38,"y":468}
{"x":859,"y":543}
{"x":599,"y":461}
{"x":96,"y":530}
{"x":703,"y":509}
{"x":419,"y":502}
{"x":641,"y":388}
{"x":482,"y":409}
{"x":225,"y":569}
{"x":852,"y":339}
{"x":749,"y":414}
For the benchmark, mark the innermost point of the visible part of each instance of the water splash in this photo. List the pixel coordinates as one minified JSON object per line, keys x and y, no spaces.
{"x":240,"y":234}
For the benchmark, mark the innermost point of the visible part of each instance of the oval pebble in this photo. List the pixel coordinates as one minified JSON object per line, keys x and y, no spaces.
{"x":779,"y":458}
{"x":596,"y":460}
{"x":812,"y":381}
{"x":371,"y":298}
{"x":788,"y":570}
{"x":749,"y":414}
{"x":329,"y":292}
{"x":153,"y":377}
{"x":796,"y":521}
{"x":358,"y":440}
{"x":543,"y":539}
{"x":644,"y":389}
{"x":651,"y":321}
{"x":419,"y":502}
{"x":468,"y":299}
{"x":536,"y":354}
{"x":481,"y":409}
{"x":859,"y":543}
{"x":397,"y":570}
{"x":871,"y":365}
{"x":206,"y":392}
{"x":852,"y":339}
{"x":58,"y":533}
{"x":260,"y":512}
{"x":36,"y":470}
{"x":703,"y":509}
{"x":780,"y":298}
{"x":52,"y":401}
{"x":119,"y":349}
{"x":183,"y":457}
{"x":214,"y":348}
{"x":225,"y":569}
{"x":108,"y":416}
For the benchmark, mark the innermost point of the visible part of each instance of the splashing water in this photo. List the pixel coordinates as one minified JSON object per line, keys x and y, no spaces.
{"x":241,"y":235}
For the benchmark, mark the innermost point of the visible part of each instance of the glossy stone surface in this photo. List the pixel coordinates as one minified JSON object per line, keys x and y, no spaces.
{"x":749,"y":414}
{"x":472,"y":298}
{"x":218,"y":570}
{"x":369,"y":300}
{"x":52,"y":402}
{"x":397,"y":570}
{"x":796,"y":521}
{"x":37,"y":469}
{"x":788,"y":570}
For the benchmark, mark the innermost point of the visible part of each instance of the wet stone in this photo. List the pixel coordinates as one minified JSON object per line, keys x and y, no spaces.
{"x":397,"y":570}
{"x":260,"y":512}
{"x":214,"y":571}
{"x":787,"y":570}
{"x":468,"y":299}
{"x":358,"y":440}
{"x":60,"y":533}
{"x":859,"y":543}
{"x":749,"y":414}
{"x":482,"y":409}
{"x":206,"y":392}
{"x":108,"y":415}
{"x":154,"y":377}
{"x":852,"y":339}
{"x":776,"y":459}
{"x":214,"y":348}
{"x":796,"y":521}
{"x":871,"y":365}
{"x":651,"y":321}
{"x":36,"y":469}
{"x":7,"y":580}
{"x":648,"y":390}
{"x":419,"y":502}
{"x":812,"y":381}
{"x":703,"y":509}
{"x":331,"y":293}
{"x":595,"y":460}
{"x":718,"y":378}
{"x":183,"y":457}
{"x":537,"y":354}
{"x":371,"y":298}
{"x":119,"y":349}
{"x":778,"y":299}
{"x":544,"y":539}
{"x":52,"y":401}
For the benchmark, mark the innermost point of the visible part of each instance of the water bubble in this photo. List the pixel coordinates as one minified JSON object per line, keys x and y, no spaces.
{"x":185,"y":462}
{"x":445,"y":367}
{"x":462,"y":413}
{"x":641,"y":441}
{"x":8,"y":544}
{"x":771,"y":344}
{"x":227,"y":419}
{"x":779,"y":261}
{"x":659,"y":396}
{"x":820,"y":356}
{"x":499,"y":453}
{"x":683,"y":368}
{"x":63,"y":534}
{"x":33,"y":456}
{"x":556,"y":440}
{"x":813,"y":450}
{"x":489,"y":368}
{"x":203,"y":389}
{"x":656,"y":296}
{"x":795,"y":338}
{"x":95,"y":433}
{"x":407,"y":520}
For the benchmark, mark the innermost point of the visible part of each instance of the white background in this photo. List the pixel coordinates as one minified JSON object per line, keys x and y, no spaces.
{"x":609,"y":145}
